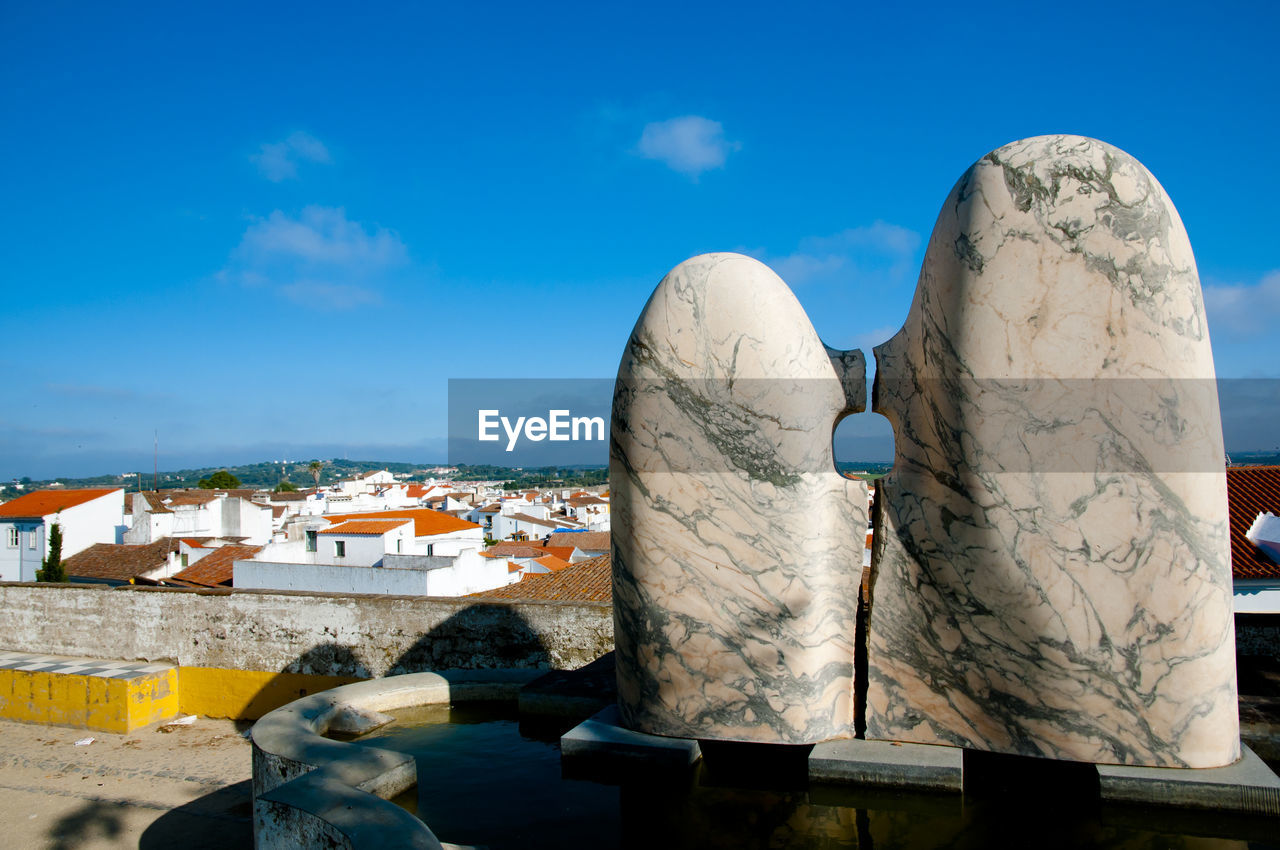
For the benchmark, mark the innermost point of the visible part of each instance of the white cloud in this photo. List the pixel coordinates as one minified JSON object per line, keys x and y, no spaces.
{"x":320,"y":235}
{"x":319,"y":258}
{"x":278,"y":161}
{"x":690,"y":144}
{"x":1244,"y":310}
{"x":881,"y":254}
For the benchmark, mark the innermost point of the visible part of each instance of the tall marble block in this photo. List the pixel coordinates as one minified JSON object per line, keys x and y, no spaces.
{"x":1050,"y":572}
{"x":737,"y":547}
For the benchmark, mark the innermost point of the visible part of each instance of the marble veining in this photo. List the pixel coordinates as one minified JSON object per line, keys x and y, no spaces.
{"x":736,"y":545}
{"x":1050,"y":570}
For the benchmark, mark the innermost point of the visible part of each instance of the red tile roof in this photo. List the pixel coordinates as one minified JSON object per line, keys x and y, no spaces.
{"x":45,"y":502}
{"x":365,"y":526}
{"x":154,"y":505}
{"x":120,"y":561}
{"x":426,"y":522}
{"x":533,"y":520}
{"x":587,"y":581}
{"x":551,"y":562}
{"x":514,"y":549}
{"x":584,"y":540}
{"x":1251,"y":490}
{"x":216,"y":568}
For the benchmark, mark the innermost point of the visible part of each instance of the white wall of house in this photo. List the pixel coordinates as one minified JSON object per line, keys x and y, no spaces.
{"x":221,"y":516}
{"x":408,"y":575}
{"x":450,"y":543}
{"x":242,"y":518}
{"x":100,"y":520}
{"x":466,"y":572}
{"x":504,"y":526}
{"x":329,"y":578}
{"x":362,"y":550}
{"x":22,"y":547}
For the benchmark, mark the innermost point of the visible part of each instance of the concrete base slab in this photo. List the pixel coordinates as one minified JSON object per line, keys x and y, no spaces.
{"x":1246,"y":787}
{"x":91,"y":693}
{"x":602,"y":742}
{"x":886,"y":764}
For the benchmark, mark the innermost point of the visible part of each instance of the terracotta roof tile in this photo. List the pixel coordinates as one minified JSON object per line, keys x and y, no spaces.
{"x":45,"y":502}
{"x":120,"y":561}
{"x":426,"y":522}
{"x":585,"y":540}
{"x":216,"y":568}
{"x":365,"y":526}
{"x":587,"y":581}
{"x":1251,"y":490}
{"x":551,"y":562}
{"x":154,"y":505}
{"x":533,"y":520}
{"x":514,"y":549}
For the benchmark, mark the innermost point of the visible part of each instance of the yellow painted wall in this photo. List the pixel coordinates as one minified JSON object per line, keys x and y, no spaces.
{"x":93,"y":702}
{"x":123,"y":705}
{"x":245,"y":694}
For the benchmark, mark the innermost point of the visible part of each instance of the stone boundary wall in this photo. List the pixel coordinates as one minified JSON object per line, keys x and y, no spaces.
{"x":299,"y":632}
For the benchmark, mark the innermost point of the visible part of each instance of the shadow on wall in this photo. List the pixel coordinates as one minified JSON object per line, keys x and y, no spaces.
{"x":479,"y":637}
{"x":329,"y":659}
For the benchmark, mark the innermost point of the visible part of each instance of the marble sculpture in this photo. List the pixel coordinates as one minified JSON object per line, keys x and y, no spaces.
{"x":1050,"y":572}
{"x":733,"y":534}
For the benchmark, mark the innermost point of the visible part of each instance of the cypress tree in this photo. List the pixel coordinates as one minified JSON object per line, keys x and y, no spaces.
{"x":51,"y":567}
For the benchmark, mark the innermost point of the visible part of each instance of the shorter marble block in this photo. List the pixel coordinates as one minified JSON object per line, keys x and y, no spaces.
{"x":736,"y":543}
{"x":1246,"y":787}
{"x":602,"y":742}
{"x":885,"y":764}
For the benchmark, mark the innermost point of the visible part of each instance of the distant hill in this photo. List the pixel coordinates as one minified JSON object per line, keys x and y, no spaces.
{"x":264,"y":475}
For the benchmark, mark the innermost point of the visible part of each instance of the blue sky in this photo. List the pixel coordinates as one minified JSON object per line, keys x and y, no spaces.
{"x":276,"y":232}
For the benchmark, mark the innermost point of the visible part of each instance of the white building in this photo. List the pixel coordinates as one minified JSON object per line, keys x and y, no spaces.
{"x":416,"y":551}
{"x":401,"y":575}
{"x":199,"y":513}
{"x":86,"y":517}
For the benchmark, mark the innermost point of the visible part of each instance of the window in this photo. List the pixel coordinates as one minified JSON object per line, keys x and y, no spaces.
{"x":13,"y":537}
{"x":339,"y":548}
{"x":31,"y":539}
{"x":430,"y":549}
{"x":311,"y":541}
{"x":184,"y":561}
{"x":399,"y":545}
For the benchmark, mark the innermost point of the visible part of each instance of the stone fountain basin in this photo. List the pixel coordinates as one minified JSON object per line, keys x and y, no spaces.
{"x":310,"y":791}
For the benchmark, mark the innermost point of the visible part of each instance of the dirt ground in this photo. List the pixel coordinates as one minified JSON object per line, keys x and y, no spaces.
{"x":187,"y":788}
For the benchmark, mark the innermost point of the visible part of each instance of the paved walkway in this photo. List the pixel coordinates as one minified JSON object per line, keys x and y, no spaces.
{"x":187,"y":788}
